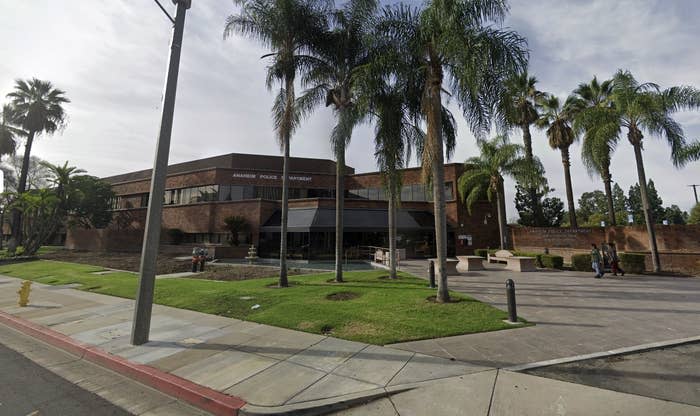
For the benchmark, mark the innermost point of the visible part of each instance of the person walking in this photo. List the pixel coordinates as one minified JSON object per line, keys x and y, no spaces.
{"x":596,"y":261}
{"x":614,"y":260}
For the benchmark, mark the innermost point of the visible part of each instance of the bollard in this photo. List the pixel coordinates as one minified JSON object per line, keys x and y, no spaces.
{"x":431,"y":273}
{"x":23,"y":293}
{"x":510,"y":294}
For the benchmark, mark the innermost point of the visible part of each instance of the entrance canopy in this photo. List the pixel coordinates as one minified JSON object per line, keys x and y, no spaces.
{"x":305,"y":220}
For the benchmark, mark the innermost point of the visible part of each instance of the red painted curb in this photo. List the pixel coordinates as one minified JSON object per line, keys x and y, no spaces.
{"x":197,"y":395}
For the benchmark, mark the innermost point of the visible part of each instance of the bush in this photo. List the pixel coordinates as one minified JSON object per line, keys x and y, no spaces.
{"x":632,"y":262}
{"x":481,"y":252}
{"x":552,"y":261}
{"x":176,"y":235}
{"x":581,"y":262}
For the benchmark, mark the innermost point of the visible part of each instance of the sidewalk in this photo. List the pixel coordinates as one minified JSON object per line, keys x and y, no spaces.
{"x":280,"y":371}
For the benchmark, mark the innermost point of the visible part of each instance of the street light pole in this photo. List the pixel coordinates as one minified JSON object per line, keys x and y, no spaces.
{"x":149,"y":252}
{"x":695,"y":191}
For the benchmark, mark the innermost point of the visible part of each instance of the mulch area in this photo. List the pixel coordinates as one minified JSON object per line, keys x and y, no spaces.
{"x":166,"y":265}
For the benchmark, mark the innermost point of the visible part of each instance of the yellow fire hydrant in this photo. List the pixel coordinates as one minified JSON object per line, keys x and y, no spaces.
{"x":24,"y":293}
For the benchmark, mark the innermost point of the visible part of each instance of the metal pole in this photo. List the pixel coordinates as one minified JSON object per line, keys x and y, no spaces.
{"x":147,"y":275}
{"x":510,"y":294}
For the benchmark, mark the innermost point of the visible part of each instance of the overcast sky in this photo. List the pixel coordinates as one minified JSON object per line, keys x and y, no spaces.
{"x":110,"y":58}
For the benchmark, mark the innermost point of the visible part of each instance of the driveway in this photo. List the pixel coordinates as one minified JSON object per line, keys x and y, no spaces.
{"x":573,"y":314}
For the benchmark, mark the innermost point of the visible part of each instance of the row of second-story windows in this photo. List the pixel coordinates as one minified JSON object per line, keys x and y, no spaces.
{"x":415,"y":192}
{"x":211,"y":193}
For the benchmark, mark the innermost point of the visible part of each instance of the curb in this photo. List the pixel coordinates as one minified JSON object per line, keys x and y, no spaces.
{"x":199,"y":396}
{"x":611,"y":353}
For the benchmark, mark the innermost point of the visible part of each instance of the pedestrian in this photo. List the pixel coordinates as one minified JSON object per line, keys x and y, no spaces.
{"x":195,"y":259}
{"x":596,"y":261}
{"x":615,"y":260}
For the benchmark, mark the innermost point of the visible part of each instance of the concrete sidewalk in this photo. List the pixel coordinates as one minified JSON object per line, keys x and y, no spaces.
{"x":280,"y":371}
{"x":574,"y":314}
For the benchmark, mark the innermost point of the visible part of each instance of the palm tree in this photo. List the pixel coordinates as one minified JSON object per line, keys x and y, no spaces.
{"x":8,"y":132}
{"x":520,"y":108}
{"x":61,"y":178}
{"x":451,"y":42}
{"x":557,"y":120}
{"x":288,"y":28}
{"x":592,"y":103}
{"x":38,"y":108}
{"x":645,"y":107}
{"x":330,"y":80}
{"x":484,"y":174}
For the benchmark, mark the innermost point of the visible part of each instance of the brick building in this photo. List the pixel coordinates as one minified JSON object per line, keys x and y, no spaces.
{"x":200,"y":194}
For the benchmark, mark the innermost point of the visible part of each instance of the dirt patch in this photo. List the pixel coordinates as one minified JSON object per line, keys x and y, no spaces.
{"x":305,"y":325}
{"x":120,"y":261}
{"x":343,"y":296}
{"x":387,"y":277}
{"x":433,"y":298}
{"x":230,"y":272}
{"x":355,"y":329}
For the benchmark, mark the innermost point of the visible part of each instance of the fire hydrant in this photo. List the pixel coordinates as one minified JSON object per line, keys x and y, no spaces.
{"x":24,"y":293}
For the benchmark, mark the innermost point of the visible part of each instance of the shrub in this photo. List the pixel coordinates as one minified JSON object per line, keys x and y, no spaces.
{"x":632,"y":262}
{"x":481,"y":252}
{"x":581,"y":262}
{"x":552,"y":261}
{"x":176,"y":235}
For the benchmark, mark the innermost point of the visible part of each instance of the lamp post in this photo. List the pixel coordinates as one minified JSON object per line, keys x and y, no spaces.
{"x":149,"y":252}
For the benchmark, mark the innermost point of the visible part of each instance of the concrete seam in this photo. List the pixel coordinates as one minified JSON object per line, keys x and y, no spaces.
{"x":400,"y":369}
{"x":493,"y":392}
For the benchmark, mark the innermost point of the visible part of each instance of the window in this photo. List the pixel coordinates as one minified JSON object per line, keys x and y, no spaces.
{"x":224,"y":192}
{"x":448,"y":192}
{"x":143,"y":201}
{"x":406,"y":193}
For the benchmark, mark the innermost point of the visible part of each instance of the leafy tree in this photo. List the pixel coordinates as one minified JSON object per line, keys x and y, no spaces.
{"x":235,"y":225}
{"x":593,"y":111}
{"x":557,"y":120}
{"x":89,"y":205}
{"x":453,"y":43}
{"x":674,"y":215}
{"x":330,"y":78}
{"x":635,"y":205}
{"x":38,"y":109}
{"x":552,"y":207}
{"x":642,"y":108}
{"x":591,"y":203}
{"x":694,"y":217}
{"x":484,"y":175}
{"x":288,"y":28}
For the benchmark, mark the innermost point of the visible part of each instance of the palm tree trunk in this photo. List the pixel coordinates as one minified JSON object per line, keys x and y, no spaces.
{"x":339,"y":207}
{"x":607,"y":181}
{"x":285,"y":211}
{"x":527,"y":142}
{"x":645,"y":204}
{"x":531,"y":190}
{"x":501,"y":212}
{"x":569,"y":189}
{"x":16,"y":226}
{"x":434,"y":142}
{"x":392,"y":233}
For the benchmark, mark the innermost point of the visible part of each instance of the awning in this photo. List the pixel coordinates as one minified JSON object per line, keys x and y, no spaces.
{"x":304,"y":220}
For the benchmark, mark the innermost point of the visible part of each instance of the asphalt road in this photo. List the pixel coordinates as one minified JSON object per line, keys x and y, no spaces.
{"x":29,"y":389}
{"x":668,"y":374}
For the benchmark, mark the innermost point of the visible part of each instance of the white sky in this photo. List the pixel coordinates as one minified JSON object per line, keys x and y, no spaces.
{"x":110,"y":57}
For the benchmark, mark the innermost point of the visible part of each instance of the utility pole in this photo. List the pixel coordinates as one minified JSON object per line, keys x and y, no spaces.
{"x":149,"y":252}
{"x":695,"y":191}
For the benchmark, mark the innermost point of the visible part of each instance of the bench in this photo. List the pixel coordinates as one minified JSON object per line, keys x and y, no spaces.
{"x":470,"y":263}
{"x":501,"y":256}
{"x":521,"y":264}
{"x":451,"y":266}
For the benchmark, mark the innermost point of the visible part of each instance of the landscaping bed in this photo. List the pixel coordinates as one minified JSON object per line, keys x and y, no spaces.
{"x":120,"y":261}
{"x":368,"y":307}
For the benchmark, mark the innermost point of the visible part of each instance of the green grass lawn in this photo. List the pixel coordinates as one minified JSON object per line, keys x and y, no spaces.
{"x":383,"y":312}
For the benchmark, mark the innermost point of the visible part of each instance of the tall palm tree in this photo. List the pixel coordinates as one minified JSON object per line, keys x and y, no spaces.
{"x":451,"y":42}
{"x":557,"y":120}
{"x":287,"y":28}
{"x":484,"y":174}
{"x":520,"y":108}
{"x":645,"y":108}
{"x":591,"y":104}
{"x":330,"y":80}
{"x":38,"y":108}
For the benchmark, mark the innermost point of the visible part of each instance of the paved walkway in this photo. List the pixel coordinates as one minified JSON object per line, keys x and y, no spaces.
{"x":573,"y":312}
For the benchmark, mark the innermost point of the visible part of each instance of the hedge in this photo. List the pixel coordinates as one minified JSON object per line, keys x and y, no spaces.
{"x":552,"y":261}
{"x":537,"y":256}
{"x":482,"y":252}
{"x":581,"y":262}
{"x":632,"y":262}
